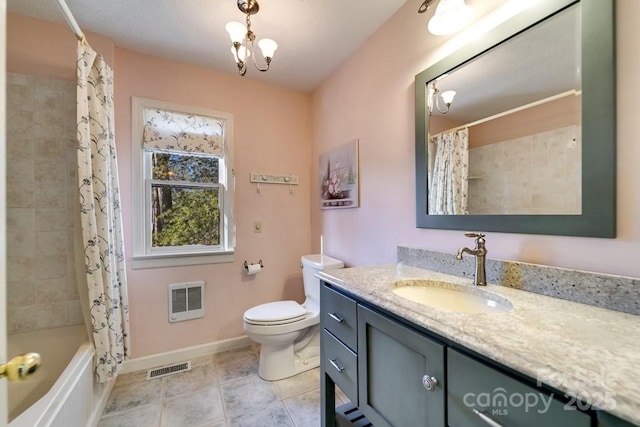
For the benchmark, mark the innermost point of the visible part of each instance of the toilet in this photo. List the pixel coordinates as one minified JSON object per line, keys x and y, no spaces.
{"x":288,"y":332}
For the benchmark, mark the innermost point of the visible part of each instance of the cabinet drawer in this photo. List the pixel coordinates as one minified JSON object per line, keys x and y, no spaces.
{"x":341,"y":364}
{"x":338,"y":315}
{"x":500,"y":398}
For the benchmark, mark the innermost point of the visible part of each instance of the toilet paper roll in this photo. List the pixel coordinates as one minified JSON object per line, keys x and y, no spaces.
{"x":253,"y":269}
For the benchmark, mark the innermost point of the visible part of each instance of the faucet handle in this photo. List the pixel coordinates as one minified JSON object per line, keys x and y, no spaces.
{"x":474,"y":234}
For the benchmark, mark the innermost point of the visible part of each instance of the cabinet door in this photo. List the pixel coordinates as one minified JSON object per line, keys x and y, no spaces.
{"x":392,"y":361}
{"x":480,"y":396}
{"x":607,"y":420}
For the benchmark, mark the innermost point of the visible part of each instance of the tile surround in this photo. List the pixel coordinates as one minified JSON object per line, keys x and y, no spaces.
{"x":601,"y":290}
{"x":221,"y":390}
{"x":539,"y":173}
{"x":41,"y":180}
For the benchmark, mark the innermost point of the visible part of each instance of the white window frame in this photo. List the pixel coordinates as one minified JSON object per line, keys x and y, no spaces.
{"x":144,"y":255}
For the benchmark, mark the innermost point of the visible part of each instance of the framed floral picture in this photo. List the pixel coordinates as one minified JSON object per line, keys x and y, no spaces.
{"x":339,"y":177}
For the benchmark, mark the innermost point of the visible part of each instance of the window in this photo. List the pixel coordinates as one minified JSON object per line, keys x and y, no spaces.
{"x":183,"y":185}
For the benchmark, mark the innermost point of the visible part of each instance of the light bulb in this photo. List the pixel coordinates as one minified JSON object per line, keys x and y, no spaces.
{"x":450,"y":16}
{"x":447,"y":96}
{"x":268,"y":47}
{"x":237,"y":31}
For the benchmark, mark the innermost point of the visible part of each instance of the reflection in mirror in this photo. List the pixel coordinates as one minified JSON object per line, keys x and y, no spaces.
{"x":505,"y":129}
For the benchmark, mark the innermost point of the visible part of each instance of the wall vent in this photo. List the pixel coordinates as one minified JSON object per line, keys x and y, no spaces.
{"x":168,"y":370}
{"x":186,"y":301}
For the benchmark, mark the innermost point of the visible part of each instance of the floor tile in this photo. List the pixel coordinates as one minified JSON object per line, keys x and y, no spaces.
{"x":199,"y":377}
{"x":297,"y":384}
{"x":127,"y":395}
{"x":243,"y":395}
{"x":305,"y":409}
{"x":236,"y":364}
{"x":142,"y":416}
{"x":270,"y":415}
{"x":193,"y":409}
{"x":220,"y":390}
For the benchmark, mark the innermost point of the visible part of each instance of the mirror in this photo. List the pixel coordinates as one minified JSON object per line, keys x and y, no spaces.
{"x":533,"y":118}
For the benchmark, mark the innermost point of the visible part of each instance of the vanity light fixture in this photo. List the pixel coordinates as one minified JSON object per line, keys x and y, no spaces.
{"x":434,"y":95}
{"x":243,"y":38}
{"x":450,"y":16}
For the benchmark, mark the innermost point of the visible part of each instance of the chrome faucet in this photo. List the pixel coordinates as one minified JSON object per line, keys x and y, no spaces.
{"x":480,"y":252}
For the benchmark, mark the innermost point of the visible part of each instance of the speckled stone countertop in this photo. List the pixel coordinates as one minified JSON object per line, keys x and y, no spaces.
{"x":576,"y":348}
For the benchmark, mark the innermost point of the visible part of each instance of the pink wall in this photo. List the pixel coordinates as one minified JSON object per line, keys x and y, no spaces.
{"x":272,"y":134}
{"x":371,"y":97}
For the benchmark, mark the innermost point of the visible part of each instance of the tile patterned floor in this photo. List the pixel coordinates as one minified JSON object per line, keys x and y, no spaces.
{"x":221,"y":390}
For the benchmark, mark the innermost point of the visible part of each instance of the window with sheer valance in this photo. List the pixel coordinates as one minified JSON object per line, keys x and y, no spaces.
{"x":184,"y":179}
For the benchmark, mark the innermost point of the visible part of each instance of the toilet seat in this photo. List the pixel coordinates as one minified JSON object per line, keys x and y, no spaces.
{"x":275,"y":313}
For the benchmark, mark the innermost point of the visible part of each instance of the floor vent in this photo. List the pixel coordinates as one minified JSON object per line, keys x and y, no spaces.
{"x":168,"y":370}
{"x":348,"y":415}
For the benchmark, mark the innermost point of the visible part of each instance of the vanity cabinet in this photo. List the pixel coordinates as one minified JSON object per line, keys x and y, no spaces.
{"x":397,"y":375}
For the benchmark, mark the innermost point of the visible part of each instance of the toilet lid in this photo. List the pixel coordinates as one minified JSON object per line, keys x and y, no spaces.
{"x":279,"y":311}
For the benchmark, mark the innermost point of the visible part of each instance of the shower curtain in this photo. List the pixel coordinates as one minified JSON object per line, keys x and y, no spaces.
{"x":100,"y":215}
{"x":448,"y":182}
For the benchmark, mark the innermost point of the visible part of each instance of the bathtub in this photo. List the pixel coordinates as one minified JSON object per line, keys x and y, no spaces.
{"x":62,"y":392}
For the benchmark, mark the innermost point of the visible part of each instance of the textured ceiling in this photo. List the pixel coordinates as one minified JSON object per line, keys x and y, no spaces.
{"x":314,"y":36}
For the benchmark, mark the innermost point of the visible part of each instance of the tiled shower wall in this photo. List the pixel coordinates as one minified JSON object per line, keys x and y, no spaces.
{"x":41,"y":195}
{"x":535,"y":174}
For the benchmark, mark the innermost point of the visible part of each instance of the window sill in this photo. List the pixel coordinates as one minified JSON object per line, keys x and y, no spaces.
{"x":183,"y":259}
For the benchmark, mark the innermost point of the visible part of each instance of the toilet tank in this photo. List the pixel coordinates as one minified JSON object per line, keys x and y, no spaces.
{"x":311,"y":264}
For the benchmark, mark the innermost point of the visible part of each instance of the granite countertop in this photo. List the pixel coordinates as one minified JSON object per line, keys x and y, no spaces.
{"x":576,"y":348}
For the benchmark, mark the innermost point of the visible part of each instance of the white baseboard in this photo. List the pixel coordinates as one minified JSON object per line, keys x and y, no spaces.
{"x":180,"y":355}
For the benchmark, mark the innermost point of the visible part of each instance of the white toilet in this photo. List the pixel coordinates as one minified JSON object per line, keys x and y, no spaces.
{"x":288,"y":332}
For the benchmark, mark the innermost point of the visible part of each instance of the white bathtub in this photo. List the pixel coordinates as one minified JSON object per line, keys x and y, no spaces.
{"x":62,"y":392}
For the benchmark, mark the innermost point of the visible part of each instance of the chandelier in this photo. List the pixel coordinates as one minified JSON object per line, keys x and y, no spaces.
{"x":243,"y":39}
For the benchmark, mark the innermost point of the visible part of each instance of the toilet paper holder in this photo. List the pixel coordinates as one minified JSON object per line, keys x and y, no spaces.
{"x":246,"y":266}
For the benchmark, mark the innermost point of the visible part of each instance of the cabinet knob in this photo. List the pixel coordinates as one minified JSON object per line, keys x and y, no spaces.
{"x":429,"y":383}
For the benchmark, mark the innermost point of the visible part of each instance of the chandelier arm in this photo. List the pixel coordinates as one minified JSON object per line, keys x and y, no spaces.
{"x":255,"y":63}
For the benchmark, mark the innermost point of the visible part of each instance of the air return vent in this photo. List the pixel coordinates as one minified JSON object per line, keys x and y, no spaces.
{"x":168,"y":370}
{"x":186,"y":301}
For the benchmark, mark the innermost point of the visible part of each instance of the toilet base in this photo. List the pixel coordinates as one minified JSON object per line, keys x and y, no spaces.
{"x":279,"y":361}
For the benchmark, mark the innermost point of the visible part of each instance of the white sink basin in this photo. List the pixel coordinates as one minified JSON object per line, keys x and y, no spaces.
{"x":451,"y":296}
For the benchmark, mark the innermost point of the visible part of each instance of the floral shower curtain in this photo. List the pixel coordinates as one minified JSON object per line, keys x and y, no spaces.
{"x":101,"y":218}
{"x":448,"y":182}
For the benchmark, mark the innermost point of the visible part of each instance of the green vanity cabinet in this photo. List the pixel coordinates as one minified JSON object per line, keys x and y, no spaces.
{"x":607,"y":420}
{"x":400,"y":374}
{"x":397,"y":375}
{"x":478,"y":395}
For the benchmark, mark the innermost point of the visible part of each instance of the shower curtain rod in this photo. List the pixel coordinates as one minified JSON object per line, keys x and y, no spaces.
{"x":514,"y":110}
{"x":71,"y":21}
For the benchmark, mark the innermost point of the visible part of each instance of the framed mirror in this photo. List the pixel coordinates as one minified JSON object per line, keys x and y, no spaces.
{"x":527,"y":144}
